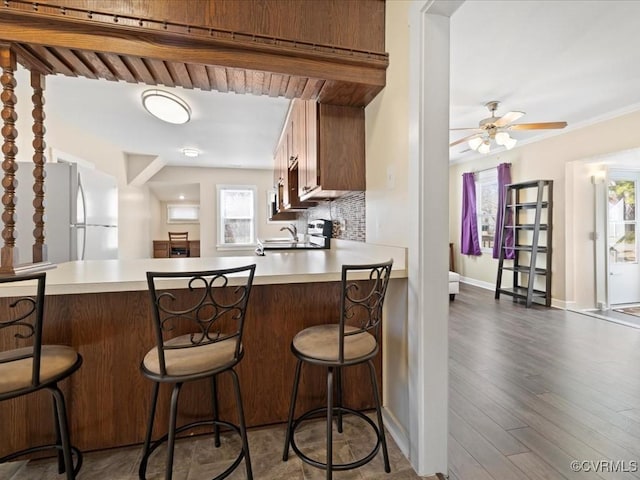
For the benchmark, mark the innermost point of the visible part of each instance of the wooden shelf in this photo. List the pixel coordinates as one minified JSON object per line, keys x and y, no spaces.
{"x":528,"y":249}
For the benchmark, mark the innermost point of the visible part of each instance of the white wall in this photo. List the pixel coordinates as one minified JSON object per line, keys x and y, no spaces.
{"x":208,"y":178}
{"x":163,"y":228}
{"x":573,"y":255}
{"x":387,"y":209}
{"x":387,"y":141}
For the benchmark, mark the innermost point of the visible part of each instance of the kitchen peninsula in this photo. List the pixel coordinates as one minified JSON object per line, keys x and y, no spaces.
{"x":102,"y":309}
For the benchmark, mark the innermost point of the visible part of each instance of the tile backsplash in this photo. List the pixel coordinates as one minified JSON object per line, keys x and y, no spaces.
{"x":348,"y":214}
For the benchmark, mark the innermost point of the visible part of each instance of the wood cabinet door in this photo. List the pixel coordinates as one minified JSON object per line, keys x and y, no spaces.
{"x":308,"y":176}
{"x":341,"y":148}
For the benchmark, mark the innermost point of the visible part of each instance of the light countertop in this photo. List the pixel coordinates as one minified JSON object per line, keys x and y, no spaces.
{"x":276,"y":267}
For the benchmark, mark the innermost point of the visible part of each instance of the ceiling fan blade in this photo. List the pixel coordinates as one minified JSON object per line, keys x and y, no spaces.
{"x":464,"y":139}
{"x":469,"y":128}
{"x":537,"y":126}
{"x":507,"y":118}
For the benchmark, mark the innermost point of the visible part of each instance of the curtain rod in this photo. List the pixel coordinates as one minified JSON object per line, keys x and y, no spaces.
{"x":484,"y":169}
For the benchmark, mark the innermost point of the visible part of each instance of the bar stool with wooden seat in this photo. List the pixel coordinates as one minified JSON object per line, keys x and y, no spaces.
{"x":178,"y":244}
{"x":198,"y":320}
{"x":34,"y":367}
{"x":354,"y":340}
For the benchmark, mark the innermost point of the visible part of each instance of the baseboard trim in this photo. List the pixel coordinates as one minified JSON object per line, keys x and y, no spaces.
{"x":478,"y":283}
{"x":397,"y":431}
{"x":555,"y":303}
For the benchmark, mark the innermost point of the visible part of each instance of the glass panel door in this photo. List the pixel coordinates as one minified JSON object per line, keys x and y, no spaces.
{"x":622,"y":244}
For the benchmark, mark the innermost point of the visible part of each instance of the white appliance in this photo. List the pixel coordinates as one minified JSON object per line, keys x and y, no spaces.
{"x":81,"y":213}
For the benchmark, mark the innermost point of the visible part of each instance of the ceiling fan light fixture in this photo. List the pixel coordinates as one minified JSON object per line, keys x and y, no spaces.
{"x":502,"y":138}
{"x":485,"y":147}
{"x":510,"y":143}
{"x":166,"y":106}
{"x":474,"y":143}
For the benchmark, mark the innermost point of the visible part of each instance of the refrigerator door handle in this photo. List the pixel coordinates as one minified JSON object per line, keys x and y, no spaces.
{"x":80,"y":249}
{"x":82,"y":204}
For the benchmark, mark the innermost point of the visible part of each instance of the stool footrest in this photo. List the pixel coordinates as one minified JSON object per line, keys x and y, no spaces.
{"x":42,"y":448}
{"x":156,"y":443}
{"x":336,"y":466}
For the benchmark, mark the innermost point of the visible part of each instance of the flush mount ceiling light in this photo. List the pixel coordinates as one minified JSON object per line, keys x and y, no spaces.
{"x":190,"y":152}
{"x":166,"y":106}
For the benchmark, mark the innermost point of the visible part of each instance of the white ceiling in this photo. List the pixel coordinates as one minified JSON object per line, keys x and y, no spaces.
{"x":230,"y":130}
{"x":567,"y":60}
{"x":575,"y":61}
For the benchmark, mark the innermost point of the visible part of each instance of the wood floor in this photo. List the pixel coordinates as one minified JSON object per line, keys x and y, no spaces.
{"x":533,"y":390}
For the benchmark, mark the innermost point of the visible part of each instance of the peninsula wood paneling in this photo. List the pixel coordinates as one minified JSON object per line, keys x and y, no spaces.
{"x":108,"y":398}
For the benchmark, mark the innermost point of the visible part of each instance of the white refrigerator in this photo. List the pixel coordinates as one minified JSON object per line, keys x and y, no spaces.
{"x":81,"y":213}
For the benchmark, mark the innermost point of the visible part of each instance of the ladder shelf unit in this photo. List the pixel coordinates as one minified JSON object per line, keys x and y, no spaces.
{"x":528,"y":215}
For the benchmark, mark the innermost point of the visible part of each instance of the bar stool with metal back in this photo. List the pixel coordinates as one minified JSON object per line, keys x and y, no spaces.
{"x":178,"y":244}
{"x":198,"y":321}
{"x":35,"y":366}
{"x":352,"y":341}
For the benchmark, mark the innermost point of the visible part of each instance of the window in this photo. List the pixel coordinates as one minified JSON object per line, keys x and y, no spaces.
{"x":487,"y":206}
{"x":236,"y":214}
{"x":183,"y":213}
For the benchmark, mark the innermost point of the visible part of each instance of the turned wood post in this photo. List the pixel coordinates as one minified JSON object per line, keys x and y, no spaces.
{"x":39,"y":160}
{"x":9,"y":252}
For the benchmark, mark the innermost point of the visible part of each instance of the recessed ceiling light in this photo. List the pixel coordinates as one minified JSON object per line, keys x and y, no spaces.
{"x":190,"y":152}
{"x":166,"y":106}
{"x":181,"y":197}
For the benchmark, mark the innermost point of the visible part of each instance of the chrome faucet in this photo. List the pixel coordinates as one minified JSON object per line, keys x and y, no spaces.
{"x":292,"y":229}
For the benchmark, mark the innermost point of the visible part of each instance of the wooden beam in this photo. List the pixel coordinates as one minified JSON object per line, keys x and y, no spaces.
{"x":174,"y":47}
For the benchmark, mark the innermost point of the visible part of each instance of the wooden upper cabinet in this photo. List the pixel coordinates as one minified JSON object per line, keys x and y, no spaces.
{"x":339,"y":152}
{"x":325,"y":147}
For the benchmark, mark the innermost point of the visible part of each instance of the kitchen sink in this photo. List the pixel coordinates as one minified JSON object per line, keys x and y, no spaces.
{"x":287,"y":243}
{"x":283,"y":240}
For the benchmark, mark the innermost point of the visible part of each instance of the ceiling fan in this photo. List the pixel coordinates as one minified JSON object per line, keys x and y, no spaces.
{"x":497,"y":129}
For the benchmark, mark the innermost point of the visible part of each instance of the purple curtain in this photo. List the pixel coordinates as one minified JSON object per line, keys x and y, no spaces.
{"x":504,"y":178}
{"x":469,"y":243}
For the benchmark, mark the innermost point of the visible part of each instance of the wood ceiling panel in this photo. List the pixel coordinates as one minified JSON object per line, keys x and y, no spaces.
{"x":220,"y":74}
{"x":160,"y":71}
{"x":31,"y":60}
{"x":237,"y":78}
{"x":198,"y":74}
{"x":292,"y":87}
{"x":275,"y":84}
{"x":283,"y":85}
{"x":180,"y":73}
{"x":140,"y":70}
{"x":118,"y":66}
{"x":256,"y":80}
{"x":150,"y":71}
{"x":97,"y":65}
{"x":266,"y":83}
{"x":76,"y":62}
{"x":49,"y":56}
{"x":312,"y":88}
